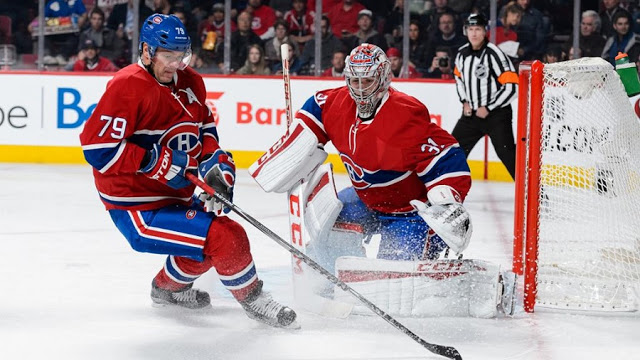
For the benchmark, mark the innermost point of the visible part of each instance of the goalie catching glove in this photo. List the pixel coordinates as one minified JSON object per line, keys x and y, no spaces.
{"x":446,"y":216}
{"x":219,"y":172}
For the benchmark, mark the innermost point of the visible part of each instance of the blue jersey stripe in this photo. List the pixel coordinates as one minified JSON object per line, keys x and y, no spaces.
{"x":213,"y":131}
{"x":453,"y":161}
{"x":312,"y":107}
{"x":145,"y":141}
{"x":99,"y":158}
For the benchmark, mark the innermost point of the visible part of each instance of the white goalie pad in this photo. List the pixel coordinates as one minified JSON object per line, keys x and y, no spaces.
{"x":322,"y":206}
{"x":293,"y":158}
{"x":312,"y":291}
{"x":422,"y":288}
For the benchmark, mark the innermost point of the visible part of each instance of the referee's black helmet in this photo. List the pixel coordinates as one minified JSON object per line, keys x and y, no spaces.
{"x":476,"y":20}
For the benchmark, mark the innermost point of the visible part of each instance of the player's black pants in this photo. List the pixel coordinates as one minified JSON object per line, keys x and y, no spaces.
{"x":470,"y":129}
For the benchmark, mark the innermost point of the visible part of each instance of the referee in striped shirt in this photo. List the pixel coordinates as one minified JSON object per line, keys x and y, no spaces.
{"x":486,"y":83}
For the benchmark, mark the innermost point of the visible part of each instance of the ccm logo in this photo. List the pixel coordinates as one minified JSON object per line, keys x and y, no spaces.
{"x":440,"y":266}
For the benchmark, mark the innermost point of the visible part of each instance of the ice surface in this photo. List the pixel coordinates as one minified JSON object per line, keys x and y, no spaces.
{"x":73,"y":289}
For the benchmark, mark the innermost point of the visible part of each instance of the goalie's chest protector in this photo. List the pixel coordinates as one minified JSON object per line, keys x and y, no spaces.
{"x":381,"y":154}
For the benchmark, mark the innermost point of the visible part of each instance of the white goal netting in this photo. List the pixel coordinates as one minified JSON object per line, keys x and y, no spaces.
{"x":589,"y":221}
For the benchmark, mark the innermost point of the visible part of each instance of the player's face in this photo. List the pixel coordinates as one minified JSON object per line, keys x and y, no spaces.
{"x":362,"y":87}
{"x":165,"y":64}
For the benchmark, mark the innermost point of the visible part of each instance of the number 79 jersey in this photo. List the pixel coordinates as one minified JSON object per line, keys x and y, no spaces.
{"x":134,"y":113}
{"x":393,"y":158}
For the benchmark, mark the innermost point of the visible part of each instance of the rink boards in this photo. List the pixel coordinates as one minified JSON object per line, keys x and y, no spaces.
{"x":42,"y":114}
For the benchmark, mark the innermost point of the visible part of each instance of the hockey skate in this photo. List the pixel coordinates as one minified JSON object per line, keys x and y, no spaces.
{"x":260,"y":306}
{"x":508,"y":280}
{"x":188,"y":297}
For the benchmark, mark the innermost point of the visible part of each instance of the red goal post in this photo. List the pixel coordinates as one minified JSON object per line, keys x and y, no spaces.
{"x":577,"y":197}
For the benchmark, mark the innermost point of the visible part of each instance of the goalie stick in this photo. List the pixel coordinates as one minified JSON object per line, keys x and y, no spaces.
{"x":442,"y":350}
{"x":319,"y":305}
{"x":284,"y":54}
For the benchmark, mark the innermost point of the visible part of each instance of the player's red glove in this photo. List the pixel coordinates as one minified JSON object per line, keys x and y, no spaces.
{"x":169,"y":166}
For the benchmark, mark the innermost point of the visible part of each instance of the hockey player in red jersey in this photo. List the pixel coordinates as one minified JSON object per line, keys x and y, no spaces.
{"x":391,"y":150}
{"x":409,"y":178}
{"x":148,"y":130}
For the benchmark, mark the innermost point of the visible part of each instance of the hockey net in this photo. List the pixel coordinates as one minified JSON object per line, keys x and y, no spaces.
{"x":577,"y":214}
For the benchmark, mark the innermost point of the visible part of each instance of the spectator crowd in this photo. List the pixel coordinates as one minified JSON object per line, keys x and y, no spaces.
{"x":96,"y":35}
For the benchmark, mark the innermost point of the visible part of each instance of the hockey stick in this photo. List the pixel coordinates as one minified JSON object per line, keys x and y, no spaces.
{"x":317,"y":304}
{"x":446,"y":351}
{"x":284,"y":54}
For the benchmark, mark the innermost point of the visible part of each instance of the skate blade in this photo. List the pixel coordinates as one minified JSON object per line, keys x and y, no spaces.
{"x":168,"y":305}
{"x":295,"y":325}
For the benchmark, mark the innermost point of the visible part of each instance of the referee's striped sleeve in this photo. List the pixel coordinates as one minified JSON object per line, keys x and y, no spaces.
{"x":506,"y":76}
{"x":462,"y":95}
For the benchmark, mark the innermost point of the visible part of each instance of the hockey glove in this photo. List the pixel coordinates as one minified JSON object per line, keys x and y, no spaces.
{"x":446,"y":216}
{"x":169,"y":166}
{"x":219,"y":172}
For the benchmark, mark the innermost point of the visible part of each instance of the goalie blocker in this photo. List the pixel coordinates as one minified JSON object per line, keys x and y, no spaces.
{"x":292,"y":159}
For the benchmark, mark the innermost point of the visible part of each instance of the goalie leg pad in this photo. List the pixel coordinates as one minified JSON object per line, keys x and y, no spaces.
{"x":322,"y":205}
{"x":423,"y":288}
{"x":290,"y":160}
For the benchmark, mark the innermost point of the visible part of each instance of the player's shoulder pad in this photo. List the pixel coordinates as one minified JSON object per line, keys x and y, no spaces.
{"x":131,"y":80}
{"x":322,"y":96}
{"x":194,"y":80}
{"x":406,"y":104}
{"x":313,"y":106}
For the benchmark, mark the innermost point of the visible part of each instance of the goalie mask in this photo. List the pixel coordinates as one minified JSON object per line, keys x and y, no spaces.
{"x":368,"y":74}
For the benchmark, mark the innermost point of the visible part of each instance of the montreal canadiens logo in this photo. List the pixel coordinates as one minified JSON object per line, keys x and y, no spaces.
{"x":191,"y":214}
{"x":157,"y":20}
{"x":183,"y":137}
{"x":356,"y":173}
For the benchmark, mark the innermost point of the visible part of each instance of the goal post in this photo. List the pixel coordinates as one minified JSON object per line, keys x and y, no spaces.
{"x":577,"y":198}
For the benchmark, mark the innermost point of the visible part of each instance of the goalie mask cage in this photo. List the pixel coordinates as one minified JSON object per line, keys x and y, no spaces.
{"x":577,"y":204}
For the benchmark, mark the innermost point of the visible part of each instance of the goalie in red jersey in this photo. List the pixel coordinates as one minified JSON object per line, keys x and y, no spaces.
{"x":150,"y":128}
{"x":409,"y":178}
